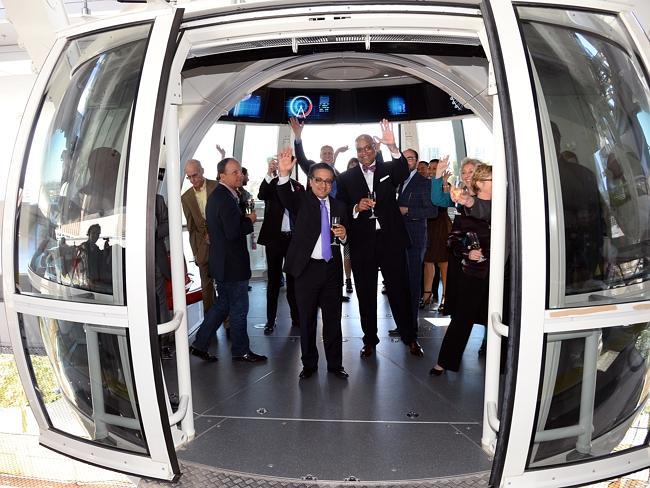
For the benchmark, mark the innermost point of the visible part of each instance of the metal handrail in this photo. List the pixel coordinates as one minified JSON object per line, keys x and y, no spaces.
{"x":180,"y":412}
{"x":172,"y":325}
{"x":498,"y":326}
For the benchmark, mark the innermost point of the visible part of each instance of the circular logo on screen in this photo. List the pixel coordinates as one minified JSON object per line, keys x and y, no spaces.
{"x":300,"y":106}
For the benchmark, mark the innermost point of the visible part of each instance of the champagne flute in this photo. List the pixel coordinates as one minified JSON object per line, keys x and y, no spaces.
{"x":475,"y":244}
{"x":250,"y":205}
{"x":336,"y":222}
{"x":372,"y":196}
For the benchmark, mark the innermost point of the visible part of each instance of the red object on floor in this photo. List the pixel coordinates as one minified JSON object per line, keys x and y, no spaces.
{"x":191,"y":297}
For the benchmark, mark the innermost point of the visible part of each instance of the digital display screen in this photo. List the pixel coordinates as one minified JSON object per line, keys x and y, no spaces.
{"x":396,"y":105}
{"x":309,"y":106}
{"x":249,"y":107}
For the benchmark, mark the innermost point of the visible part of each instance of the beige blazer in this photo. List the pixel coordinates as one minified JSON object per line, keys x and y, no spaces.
{"x":196,"y":225}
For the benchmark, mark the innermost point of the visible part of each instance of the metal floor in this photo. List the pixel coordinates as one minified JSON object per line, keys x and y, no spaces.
{"x":259,"y":425}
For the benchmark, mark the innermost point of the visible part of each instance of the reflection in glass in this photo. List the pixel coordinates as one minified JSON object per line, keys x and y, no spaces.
{"x":597,"y":98}
{"x":92,"y":396}
{"x":598,"y":378}
{"x":72,"y":192}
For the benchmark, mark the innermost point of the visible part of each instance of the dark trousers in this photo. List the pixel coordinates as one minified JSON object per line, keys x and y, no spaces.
{"x":475,"y":293}
{"x":275,"y":254}
{"x":394,"y":269}
{"x":232,"y":300}
{"x":207,"y":290}
{"x":319,"y":286}
{"x":415,"y":256}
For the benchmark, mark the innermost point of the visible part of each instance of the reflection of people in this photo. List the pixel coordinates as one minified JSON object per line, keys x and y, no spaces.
{"x":99,"y":191}
{"x":381,"y":241}
{"x":194,"y":201}
{"x":314,"y":260}
{"x":275,"y":235}
{"x":162,"y":272}
{"x":583,"y":222}
{"x":96,"y":262}
{"x":229,"y":263}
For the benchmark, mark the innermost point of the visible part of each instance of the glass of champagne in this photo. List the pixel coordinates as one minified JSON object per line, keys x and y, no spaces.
{"x":372,"y":196}
{"x":250,"y":205}
{"x":457,"y":189}
{"x":475,"y":244}
{"x":336,"y":222}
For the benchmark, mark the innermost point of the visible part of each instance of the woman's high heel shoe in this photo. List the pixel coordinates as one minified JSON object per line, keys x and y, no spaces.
{"x":425,"y":302}
{"x":441,"y":307}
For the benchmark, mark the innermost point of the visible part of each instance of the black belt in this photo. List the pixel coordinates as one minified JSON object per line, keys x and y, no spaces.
{"x":286,"y":233}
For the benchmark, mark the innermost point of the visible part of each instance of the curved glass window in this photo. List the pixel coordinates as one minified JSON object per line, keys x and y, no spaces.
{"x":82,"y":375}
{"x":594,"y":100}
{"x":72,"y":212}
{"x":594,"y":397}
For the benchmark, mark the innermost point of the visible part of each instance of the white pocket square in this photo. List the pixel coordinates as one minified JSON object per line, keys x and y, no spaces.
{"x":385,"y":177}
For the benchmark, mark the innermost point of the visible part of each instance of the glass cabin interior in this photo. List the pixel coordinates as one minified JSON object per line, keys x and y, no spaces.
{"x":390,"y":420}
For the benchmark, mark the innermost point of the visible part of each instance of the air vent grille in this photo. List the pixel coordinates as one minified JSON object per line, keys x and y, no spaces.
{"x":342,"y":39}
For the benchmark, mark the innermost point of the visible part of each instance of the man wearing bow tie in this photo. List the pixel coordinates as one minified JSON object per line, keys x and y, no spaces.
{"x":379,"y":242}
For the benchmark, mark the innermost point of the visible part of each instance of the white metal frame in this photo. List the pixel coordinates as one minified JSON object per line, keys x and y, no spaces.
{"x":134,"y":318}
{"x":536,"y":320}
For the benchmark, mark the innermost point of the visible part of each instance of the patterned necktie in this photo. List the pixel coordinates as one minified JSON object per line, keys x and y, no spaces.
{"x":326,"y":245}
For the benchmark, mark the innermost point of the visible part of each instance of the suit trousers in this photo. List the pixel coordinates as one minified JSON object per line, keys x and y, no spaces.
{"x":415,"y":257}
{"x":475,"y":296}
{"x":232,"y":300}
{"x":276,"y":252}
{"x":394,"y":269}
{"x":319,"y":285}
{"x":207,"y":289}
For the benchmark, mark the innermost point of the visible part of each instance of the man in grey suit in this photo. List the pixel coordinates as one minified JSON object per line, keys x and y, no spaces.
{"x":194,"y":201}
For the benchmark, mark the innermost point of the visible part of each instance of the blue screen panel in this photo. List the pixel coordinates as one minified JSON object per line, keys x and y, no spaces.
{"x":249,"y":107}
{"x":309,"y":106}
{"x":396,"y":105}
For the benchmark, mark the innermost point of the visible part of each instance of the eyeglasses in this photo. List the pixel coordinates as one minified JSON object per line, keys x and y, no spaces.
{"x":321,"y":181}
{"x":486,"y":179}
{"x":365,"y":149}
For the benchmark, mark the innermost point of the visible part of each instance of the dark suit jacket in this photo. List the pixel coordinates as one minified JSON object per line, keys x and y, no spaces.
{"x":307,"y":228}
{"x":353,"y":187}
{"x":273,"y":211}
{"x":417,"y":197}
{"x":162,"y":231}
{"x":196,"y":225}
{"x":228,"y":228}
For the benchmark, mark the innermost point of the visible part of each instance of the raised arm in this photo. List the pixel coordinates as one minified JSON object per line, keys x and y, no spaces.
{"x":289,"y":199}
{"x":296,"y":128}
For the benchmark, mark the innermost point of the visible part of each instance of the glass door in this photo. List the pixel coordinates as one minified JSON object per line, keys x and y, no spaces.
{"x":78,"y":276}
{"x":576,"y":400}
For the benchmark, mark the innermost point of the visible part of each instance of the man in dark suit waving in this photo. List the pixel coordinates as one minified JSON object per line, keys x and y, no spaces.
{"x":378,"y":237}
{"x":314,"y":260}
{"x":275,"y":235}
{"x":229,"y":266}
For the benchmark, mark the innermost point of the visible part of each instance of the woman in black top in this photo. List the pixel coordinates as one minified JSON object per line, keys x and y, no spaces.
{"x":469,"y":241}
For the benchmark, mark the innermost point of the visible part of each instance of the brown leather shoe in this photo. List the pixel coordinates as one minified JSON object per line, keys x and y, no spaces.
{"x":416,"y":349}
{"x":367,"y":351}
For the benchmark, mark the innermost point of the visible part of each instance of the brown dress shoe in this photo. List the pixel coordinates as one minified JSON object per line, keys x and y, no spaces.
{"x":416,"y":349}
{"x":367,"y":351}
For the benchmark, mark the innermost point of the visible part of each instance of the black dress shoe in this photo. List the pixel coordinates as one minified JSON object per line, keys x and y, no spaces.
{"x":367,"y":351}
{"x":250,"y":357}
{"x":394,"y":333}
{"x":345,"y":299}
{"x":416,"y":349}
{"x":348,"y":286}
{"x":339,"y":372}
{"x":206,"y":356}
{"x":269,"y":328}
{"x":435,"y":371}
{"x":307,"y":372}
